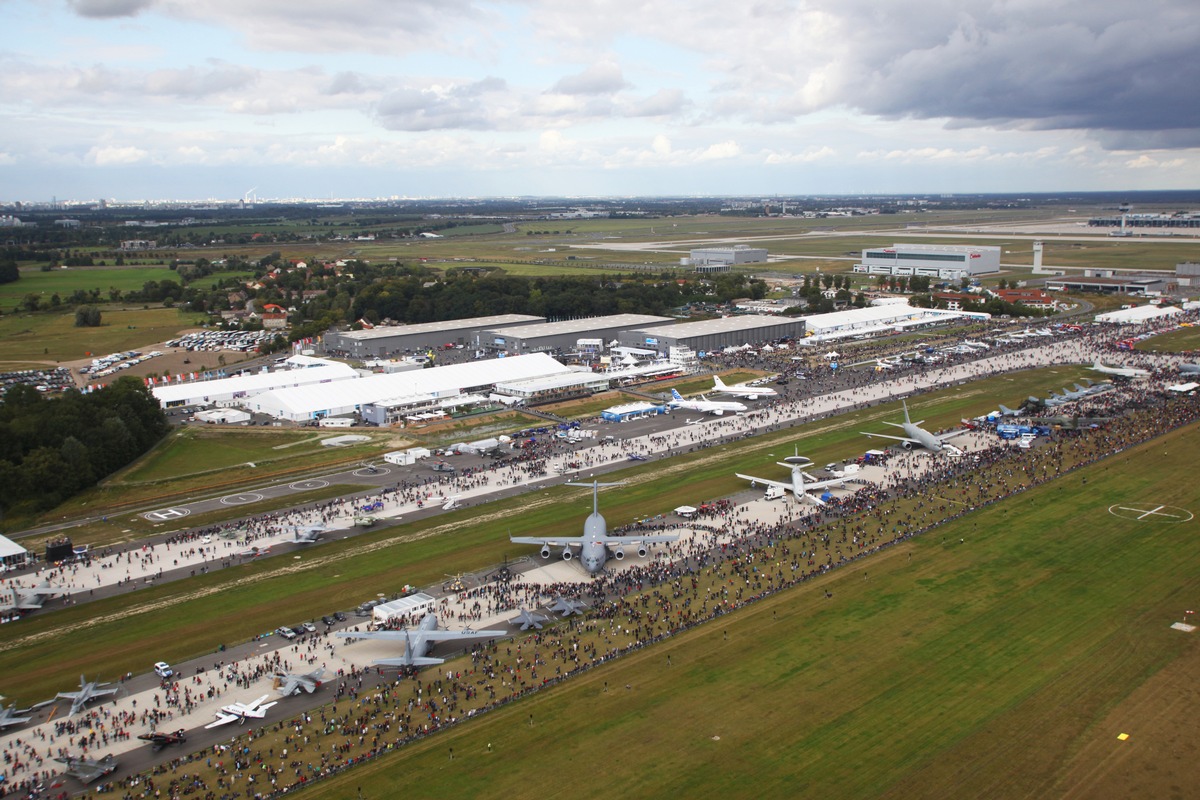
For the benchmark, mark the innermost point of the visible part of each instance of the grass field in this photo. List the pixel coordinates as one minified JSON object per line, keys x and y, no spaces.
{"x":1183,"y":340}
{"x":1002,"y":666}
{"x":50,"y":338}
{"x":66,"y":281}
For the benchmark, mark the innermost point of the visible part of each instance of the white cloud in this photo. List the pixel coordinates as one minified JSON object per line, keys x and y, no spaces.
{"x":601,"y":78}
{"x":110,"y":155}
{"x":721,"y":150}
{"x":807,"y":156}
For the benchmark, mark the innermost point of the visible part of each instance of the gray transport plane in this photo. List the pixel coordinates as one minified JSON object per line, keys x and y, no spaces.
{"x":914,"y":434}
{"x":595,"y":545}
{"x":88,"y":691}
{"x":417,"y":642}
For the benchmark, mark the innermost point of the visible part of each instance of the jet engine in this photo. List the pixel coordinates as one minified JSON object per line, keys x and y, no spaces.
{"x":545,"y":551}
{"x":618,"y":553}
{"x":642,"y":551}
{"x":906,"y":445}
{"x":566,"y":554}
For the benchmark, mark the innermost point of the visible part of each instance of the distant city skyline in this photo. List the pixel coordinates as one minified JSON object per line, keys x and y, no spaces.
{"x":168,"y":99}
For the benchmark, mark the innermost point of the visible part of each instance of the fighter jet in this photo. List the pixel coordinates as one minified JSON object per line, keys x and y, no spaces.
{"x":595,"y":545}
{"x":16,"y":598}
{"x":307,"y":534}
{"x":1120,"y":372}
{"x":256,"y":709}
{"x":288,"y":684}
{"x":158,"y":739}
{"x":528,"y":619}
{"x":8,"y":716}
{"x":800,"y":486}
{"x":565,"y":606}
{"x":88,"y":691}
{"x":86,"y":770}
{"x":704,"y":405}
{"x":742,"y":389}
{"x":1005,"y":411}
{"x":916,"y":435}
{"x":418,"y":642}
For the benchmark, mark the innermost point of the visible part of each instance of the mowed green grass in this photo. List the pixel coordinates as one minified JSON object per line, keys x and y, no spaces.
{"x":1183,"y":340}
{"x":974,"y":668}
{"x":66,"y":281}
{"x":46,"y":337}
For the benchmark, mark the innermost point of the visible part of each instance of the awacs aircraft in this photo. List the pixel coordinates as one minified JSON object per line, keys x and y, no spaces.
{"x":418,"y":642}
{"x":158,"y":740}
{"x":88,"y":691}
{"x":1120,"y":372}
{"x":595,"y":544}
{"x":800,"y":485}
{"x":715,"y":407}
{"x":86,"y":770}
{"x":239,"y":712}
{"x":914,"y":434}
{"x":27,"y":599}
{"x":742,"y":389}
{"x":288,"y":684}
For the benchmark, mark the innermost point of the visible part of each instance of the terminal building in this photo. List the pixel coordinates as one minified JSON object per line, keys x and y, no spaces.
{"x":942,"y":261}
{"x":873,"y":320}
{"x":723,"y":259}
{"x":706,"y":336}
{"x":382,"y":341}
{"x":564,"y":336}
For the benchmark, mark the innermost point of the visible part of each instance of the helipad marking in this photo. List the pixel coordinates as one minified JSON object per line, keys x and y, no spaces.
{"x":241,"y":499}
{"x":165,"y":514}
{"x":1159,"y":513}
{"x":303,"y":486}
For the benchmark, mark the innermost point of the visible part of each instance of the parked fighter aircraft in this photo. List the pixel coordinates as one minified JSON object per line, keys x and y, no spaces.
{"x":158,"y":740}
{"x":916,"y":435}
{"x":1121,"y":372}
{"x":714,"y":407}
{"x":595,"y":544}
{"x":239,"y":712}
{"x":8,"y":716}
{"x":26,"y":599}
{"x":742,"y":389}
{"x":565,"y":606}
{"x":418,"y":642}
{"x":88,"y":691}
{"x":1005,"y":411}
{"x":307,"y":534}
{"x":528,"y":619}
{"x":800,"y":486}
{"x":86,"y":770}
{"x":288,"y":684}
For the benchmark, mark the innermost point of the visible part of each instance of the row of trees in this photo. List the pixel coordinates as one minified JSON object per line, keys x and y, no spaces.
{"x":54,"y":447}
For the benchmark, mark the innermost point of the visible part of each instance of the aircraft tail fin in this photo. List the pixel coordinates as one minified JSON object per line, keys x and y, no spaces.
{"x":675,"y":395}
{"x":718,"y":383}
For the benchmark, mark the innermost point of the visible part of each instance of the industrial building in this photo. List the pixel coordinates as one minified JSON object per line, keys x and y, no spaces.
{"x":706,"y":336}
{"x":722,"y":259}
{"x":403,"y":393}
{"x":382,"y":341}
{"x":1110,"y":283}
{"x":554,"y":387}
{"x":942,"y":261}
{"x":564,"y":336}
{"x":298,"y":371}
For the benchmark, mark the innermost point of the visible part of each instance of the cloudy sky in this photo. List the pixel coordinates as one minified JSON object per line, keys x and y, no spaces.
{"x":131,"y":99}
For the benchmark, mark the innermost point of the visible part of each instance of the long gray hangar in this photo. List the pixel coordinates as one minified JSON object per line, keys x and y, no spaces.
{"x":914,"y":434}
{"x":417,"y":642}
{"x":800,"y":486}
{"x":595,"y":545}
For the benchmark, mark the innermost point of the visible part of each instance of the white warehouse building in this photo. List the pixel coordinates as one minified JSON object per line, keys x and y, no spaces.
{"x":300,"y":371}
{"x":942,"y":261}
{"x":874,"y":320}
{"x":437,"y":384}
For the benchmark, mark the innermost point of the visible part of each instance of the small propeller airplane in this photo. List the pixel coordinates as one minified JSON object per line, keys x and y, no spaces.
{"x":240,"y":712}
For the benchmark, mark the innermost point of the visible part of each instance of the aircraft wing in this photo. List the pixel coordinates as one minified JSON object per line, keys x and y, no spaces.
{"x":889,"y":436}
{"x":373,"y":635}
{"x":421,"y":661}
{"x":450,"y":636}
{"x":951,"y":434}
{"x":289,"y":684}
{"x":558,"y":541}
{"x":618,"y":541}
{"x":765,"y":481}
{"x":223,"y":719}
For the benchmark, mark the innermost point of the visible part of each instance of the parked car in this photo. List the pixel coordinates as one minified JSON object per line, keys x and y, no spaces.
{"x":286,"y":632}
{"x":163,"y":670}
{"x":339,"y":616}
{"x":308,"y":627}
{"x":327,"y":620}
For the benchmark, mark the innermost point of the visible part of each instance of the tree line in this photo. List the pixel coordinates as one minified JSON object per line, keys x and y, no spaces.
{"x":53,"y":447}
